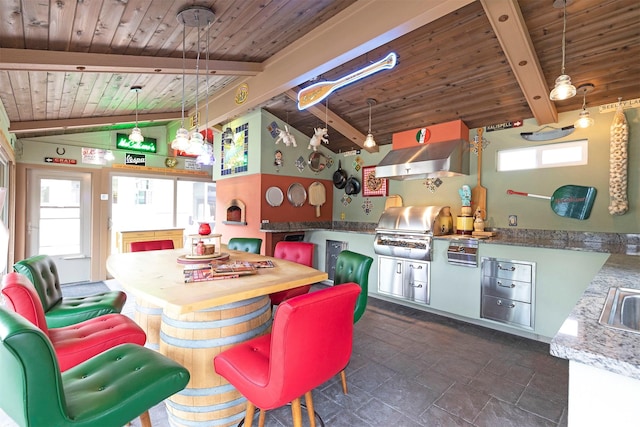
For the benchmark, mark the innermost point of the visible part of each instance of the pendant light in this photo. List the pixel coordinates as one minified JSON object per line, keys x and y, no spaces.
{"x":196,"y":142}
{"x":584,"y":118}
{"x":197,"y":17}
{"x":136,"y":133}
{"x":563,"y":88}
{"x":369,"y":142}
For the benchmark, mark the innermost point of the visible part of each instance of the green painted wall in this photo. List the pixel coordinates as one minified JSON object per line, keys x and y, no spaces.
{"x":532,"y":213}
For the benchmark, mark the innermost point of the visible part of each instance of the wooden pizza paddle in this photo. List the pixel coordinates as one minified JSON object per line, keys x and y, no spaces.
{"x":479,"y":193}
{"x":317,"y":196}
{"x":571,"y":201}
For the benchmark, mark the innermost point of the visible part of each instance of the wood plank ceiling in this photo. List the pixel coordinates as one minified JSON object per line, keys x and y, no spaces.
{"x":468,"y":64}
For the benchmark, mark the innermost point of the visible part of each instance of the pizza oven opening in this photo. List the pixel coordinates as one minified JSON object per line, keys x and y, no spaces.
{"x":236,"y":213}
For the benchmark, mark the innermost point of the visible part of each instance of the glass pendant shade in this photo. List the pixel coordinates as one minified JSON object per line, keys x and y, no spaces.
{"x":563,"y":89}
{"x":584,"y":120}
{"x":181,"y":143}
{"x":369,"y":142}
{"x":136,"y":135}
{"x":206,"y":158}
{"x":196,"y":144}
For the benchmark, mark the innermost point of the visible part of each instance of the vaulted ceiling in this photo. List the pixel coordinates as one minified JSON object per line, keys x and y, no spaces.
{"x":68,"y":66}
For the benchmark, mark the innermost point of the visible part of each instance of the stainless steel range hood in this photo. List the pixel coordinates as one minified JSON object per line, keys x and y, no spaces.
{"x":438,"y":159}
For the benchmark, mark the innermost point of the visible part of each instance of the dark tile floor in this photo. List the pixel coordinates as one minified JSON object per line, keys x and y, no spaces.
{"x":412,"y":368}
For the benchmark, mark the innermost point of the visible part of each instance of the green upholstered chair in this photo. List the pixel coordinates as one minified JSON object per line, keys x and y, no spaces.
{"x":352,"y":267}
{"x":245,"y":244}
{"x":107,"y":390}
{"x":59,"y":311}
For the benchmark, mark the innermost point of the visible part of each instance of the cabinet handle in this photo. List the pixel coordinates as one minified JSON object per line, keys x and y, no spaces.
{"x":506,"y":286}
{"x":414,"y":267}
{"x":506,"y":269}
{"x":399,"y":268}
{"x":416,"y":286}
{"x":505,"y":305}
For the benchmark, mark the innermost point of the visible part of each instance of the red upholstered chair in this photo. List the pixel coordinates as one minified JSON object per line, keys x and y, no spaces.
{"x":300,"y":252}
{"x":151,"y":245}
{"x":310,"y":341}
{"x":72,"y":344}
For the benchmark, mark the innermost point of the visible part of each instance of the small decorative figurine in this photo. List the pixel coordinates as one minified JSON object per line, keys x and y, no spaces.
{"x":286,"y":137}
{"x":319,"y":136}
{"x":465,"y":198}
{"x":478,"y":222}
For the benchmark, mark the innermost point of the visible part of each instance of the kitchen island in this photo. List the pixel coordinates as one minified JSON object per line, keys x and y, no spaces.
{"x":604,"y":363}
{"x":201,"y":319}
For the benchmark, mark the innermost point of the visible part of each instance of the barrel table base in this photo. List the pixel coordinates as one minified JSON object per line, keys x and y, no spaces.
{"x":193,"y":340}
{"x":149,"y":316}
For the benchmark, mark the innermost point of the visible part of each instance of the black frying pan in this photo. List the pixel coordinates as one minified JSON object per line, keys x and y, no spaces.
{"x":339,"y":177}
{"x":352,"y":186}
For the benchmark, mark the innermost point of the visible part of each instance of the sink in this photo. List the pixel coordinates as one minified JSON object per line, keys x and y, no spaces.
{"x":622,"y":309}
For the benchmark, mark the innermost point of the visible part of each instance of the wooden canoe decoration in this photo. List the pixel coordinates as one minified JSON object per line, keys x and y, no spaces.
{"x":315,"y":93}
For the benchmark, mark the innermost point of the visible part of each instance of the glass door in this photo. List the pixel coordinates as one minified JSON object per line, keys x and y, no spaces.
{"x":59,"y":221}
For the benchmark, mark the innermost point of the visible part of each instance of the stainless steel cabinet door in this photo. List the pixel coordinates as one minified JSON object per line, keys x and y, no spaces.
{"x":390,"y":276}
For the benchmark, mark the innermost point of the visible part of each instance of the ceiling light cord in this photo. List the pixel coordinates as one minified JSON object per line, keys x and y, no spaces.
{"x":564,"y":32}
{"x":184,"y":67}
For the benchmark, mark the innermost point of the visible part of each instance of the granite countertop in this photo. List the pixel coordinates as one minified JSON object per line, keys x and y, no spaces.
{"x":582,"y":339}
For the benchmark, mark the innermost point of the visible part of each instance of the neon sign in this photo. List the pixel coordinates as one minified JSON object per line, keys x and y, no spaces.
{"x":315,"y":93}
{"x":148,"y":145}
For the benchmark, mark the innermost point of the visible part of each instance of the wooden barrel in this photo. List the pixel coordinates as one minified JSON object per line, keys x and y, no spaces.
{"x":148,"y":317}
{"x":193,"y":340}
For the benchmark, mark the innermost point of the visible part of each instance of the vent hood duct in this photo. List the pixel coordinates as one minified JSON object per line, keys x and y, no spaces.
{"x":437,"y":159}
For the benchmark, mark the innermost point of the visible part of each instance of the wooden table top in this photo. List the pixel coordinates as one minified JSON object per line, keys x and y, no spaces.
{"x":157,"y":277}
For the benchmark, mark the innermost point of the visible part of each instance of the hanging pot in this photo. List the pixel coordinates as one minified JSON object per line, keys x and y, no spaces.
{"x":339,"y":177}
{"x":352,"y":187}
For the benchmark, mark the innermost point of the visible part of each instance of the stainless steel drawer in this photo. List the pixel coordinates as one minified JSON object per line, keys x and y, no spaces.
{"x":505,"y":288}
{"x":507,"y":270}
{"x":506,"y":311}
{"x":418,"y":292}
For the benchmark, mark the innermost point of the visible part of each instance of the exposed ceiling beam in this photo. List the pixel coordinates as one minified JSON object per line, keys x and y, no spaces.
{"x":56,"y":61}
{"x":336,"y":122}
{"x":508,"y":24}
{"x":329,"y":45}
{"x":47,"y":125}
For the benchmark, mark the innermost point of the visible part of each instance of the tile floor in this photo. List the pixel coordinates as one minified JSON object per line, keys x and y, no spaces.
{"x":411,"y":368}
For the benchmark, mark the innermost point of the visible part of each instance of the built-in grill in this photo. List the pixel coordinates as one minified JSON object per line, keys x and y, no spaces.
{"x":404,"y":243}
{"x":407,"y":232}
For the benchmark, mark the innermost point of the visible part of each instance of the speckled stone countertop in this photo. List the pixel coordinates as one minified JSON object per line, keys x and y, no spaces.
{"x":583,"y":339}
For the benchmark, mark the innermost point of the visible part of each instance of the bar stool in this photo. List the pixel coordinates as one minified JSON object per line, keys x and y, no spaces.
{"x":300,"y":252}
{"x":352,"y":267}
{"x":245,"y":244}
{"x":310,"y":341}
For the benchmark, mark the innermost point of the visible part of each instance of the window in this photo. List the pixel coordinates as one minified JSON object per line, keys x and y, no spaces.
{"x":147,"y":203}
{"x":574,"y":153}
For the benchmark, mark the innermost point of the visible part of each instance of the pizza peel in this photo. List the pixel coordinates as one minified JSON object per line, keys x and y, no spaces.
{"x":571,"y":201}
{"x":317,"y":196}
{"x":479,"y":193}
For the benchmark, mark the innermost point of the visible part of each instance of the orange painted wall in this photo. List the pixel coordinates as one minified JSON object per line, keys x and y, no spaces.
{"x":436,"y":133}
{"x":250,"y":189}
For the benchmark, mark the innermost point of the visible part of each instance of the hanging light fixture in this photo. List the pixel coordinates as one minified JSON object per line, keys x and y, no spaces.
{"x":563,"y":88}
{"x":136,"y":133}
{"x":584,"y":118}
{"x":206,"y":155}
{"x":192,"y":16}
{"x":369,"y":142}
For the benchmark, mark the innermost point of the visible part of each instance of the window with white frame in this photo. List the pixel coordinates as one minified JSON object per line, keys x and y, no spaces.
{"x":562,"y":154}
